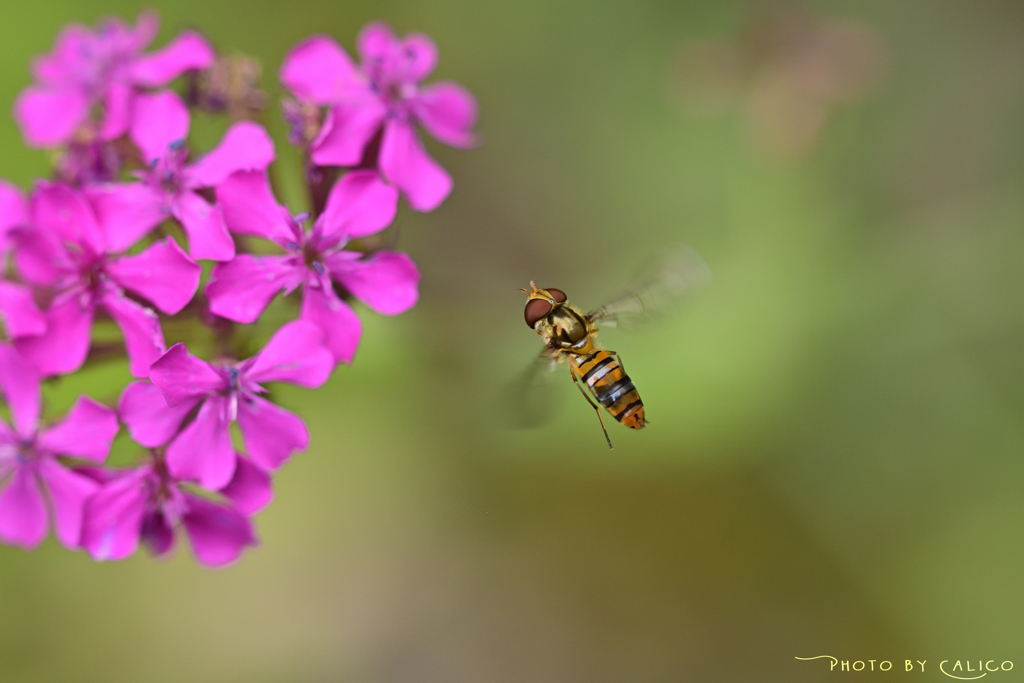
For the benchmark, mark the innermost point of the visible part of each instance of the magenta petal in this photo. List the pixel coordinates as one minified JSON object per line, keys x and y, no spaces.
{"x":405,"y":163}
{"x":203,"y":451}
{"x":271,"y":433}
{"x":163,"y":274}
{"x":249,"y":207}
{"x":39,"y":257}
{"x":339,"y":323}
{"x":13,"y":207}
{"x":242,"y":288}
{"x":159,"y":121}
{"x":376,"y":41}
{"x":126,"y":212}
{"x":20,"y":384}
{"x":113,"y":518}
{"x":218,"y":533}
{"x":49,"y":117}
{"x":386,"y":281}
{"x":143,"y":338}
{"x":295,"y":354}
{"x":188,"y":51}
{"x":68,"y":493}
{"x":250,"y":487}
{"x":180,"y":376}
{"x":246,"y":146}
{"x":149,"y":419}
{"x":22,"y":511}
{"x":207,"y":236}
{"x":87,"y":432}
{"x":65,"y":212}
{"x":62,"y":349}
{"x":157,"y":532}
{"x":346,"y":130}
{"x":318,"y":69}
{"x":18,"y":309}
{"x":448,"y":111}
{"x":359,"y":204}
{"x":118,"y":111}
{"x":420,"y":54}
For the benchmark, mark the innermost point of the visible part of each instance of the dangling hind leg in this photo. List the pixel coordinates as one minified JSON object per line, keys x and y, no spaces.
{"x":572,"y":372}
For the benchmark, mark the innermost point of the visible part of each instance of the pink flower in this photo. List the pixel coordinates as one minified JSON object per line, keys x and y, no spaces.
{"x":159,"y":128}
{"x":359,"y":205}
{"x":102,"y":67}
{"x":147,"y":504}
{"x":218,"y":394}
{"x":35,"y":481}
{"x":66,"y":251}
{"x":383,"y":96}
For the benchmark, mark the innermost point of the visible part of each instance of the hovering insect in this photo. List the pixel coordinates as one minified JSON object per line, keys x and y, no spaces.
{"x":570,"y":335}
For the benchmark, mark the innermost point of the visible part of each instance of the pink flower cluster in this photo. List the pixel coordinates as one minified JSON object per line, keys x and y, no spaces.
{"x":116,"y":237}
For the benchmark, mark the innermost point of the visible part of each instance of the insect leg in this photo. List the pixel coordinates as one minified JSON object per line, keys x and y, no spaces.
{"x":575,"y":381}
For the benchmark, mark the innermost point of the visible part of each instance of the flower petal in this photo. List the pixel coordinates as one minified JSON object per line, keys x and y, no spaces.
{"x":180,"y":376}
{"x":64,"y":346}
{"x":22,"y":511}
{"x":188,"y":51}
{"x":346,"y":130}
{"x":65,"y":213}
{"x":448,"y":111}
{"x":117,"y":114}
{"x":68,"y":493}
{"x":420,"y":56}
{"x":143,"y":338}
{"x":295,"y":354}
{"x":405,"y":163}
{"x":163,"y":274}
{"x":20,"y":384}
{"x":339,"y":323}
{"x":207,"y":236}
{"x":49,"y":117}
{"x":39,"y":257}
{"x":242,"y":288}
{"x":112,"y":519}
{"x":250,"y":487}
{"x":160,"y":120}
{"x":202,"y":452}
{"x":319,"y":70}
{"x":18,"y":309}
{"x":246,"y":146}
{"x":13,"y":207}
{"x":271,"y":433}
{"x":150,"y":421}
{"x":218,"y":533}
{"x":359,"y":204}
{"x":88,"y":431}
{"x":250,"y":208}
{"x":127,"y":211}
{"x":157,"y":532}
{"x":376,"y":41}
{"x":386,"y":281}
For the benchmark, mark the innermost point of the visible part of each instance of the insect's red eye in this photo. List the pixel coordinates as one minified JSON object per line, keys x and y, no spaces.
{"x":557,"y":294}
{"x":535,"y":310}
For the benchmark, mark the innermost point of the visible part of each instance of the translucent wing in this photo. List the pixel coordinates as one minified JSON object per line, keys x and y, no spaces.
{"x":657,"y":291}
{"x":533,"y":398}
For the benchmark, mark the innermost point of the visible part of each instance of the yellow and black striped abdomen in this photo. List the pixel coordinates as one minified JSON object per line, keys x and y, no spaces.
{"x":612,"y":387}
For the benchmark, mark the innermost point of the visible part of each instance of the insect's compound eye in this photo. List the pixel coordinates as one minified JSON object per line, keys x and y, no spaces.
{"x":557,"y":294}
{"x":535,"y":310}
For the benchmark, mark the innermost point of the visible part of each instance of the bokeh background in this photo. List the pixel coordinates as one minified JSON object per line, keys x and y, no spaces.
{"x":834,"y":462}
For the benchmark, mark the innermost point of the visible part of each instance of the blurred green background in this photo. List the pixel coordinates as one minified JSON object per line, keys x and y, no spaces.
{"x":833,"y":465}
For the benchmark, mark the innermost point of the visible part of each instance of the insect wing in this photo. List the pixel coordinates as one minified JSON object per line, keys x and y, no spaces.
{"x":656,"y":292}
{"x":533,"y":398}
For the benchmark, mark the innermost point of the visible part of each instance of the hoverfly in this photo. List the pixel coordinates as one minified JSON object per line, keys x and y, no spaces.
{"x":571,"y":335}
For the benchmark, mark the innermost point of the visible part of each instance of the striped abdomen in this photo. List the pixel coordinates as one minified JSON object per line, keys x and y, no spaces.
{"x":612,"y":387}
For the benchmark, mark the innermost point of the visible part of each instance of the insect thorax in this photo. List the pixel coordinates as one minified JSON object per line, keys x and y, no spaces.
{"x":563,"y":327}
